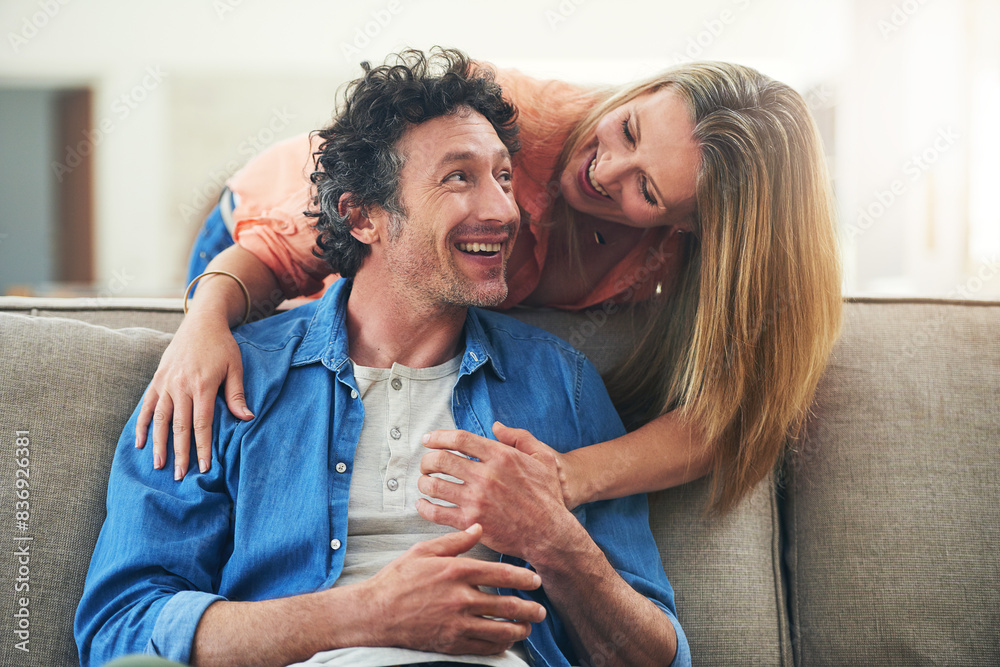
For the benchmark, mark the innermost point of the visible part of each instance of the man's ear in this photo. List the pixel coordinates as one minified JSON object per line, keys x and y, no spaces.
{"x":362,"y":226}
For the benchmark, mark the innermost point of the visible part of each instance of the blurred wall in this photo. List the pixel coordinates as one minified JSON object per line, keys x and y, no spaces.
{"x":185,"y":92}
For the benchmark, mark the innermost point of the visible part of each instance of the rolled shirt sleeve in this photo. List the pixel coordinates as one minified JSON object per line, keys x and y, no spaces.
{"x":173,"y":632}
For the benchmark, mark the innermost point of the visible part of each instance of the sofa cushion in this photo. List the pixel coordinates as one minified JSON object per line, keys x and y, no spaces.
{"x":893,"y":495}
{"x":726,"y":574}
{"x":70,"y":387}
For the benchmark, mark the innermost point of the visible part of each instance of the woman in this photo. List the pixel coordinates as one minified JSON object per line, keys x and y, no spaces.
{"x":702,"y":191}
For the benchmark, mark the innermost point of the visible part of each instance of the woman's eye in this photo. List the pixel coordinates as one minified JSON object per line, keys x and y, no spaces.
{"x":627,"y":132}
{"x":643,"y":185}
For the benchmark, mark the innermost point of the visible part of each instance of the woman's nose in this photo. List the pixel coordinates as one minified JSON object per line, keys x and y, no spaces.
{"x":610,"y":170}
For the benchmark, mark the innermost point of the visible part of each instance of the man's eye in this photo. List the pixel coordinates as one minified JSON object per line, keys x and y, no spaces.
{"x":627,"y":132}
{"x":457,"y":176}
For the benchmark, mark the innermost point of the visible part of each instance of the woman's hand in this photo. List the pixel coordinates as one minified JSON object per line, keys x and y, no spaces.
{"x":202,"y":356}
{"x":513,"y":494}
{"x":524,"y":441}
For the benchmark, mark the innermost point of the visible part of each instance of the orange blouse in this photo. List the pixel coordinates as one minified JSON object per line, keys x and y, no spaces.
{"x":273,"y":191}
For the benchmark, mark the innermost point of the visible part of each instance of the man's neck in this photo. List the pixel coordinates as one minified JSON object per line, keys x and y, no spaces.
{"x":385,"y":328}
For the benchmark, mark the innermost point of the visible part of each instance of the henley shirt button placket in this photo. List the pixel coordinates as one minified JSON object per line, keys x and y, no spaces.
{"x":397,"y":384}
{"x":395,"y":433}
{"x":392,"y":484}
{"x":334,"y":544}
{"x":341,"y":467}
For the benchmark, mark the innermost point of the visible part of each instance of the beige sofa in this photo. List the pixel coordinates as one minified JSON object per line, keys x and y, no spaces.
{"x":878,"y":541}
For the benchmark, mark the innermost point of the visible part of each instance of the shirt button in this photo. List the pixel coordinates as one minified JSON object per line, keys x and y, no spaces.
{"x":396,"y":383}
{"x":354,"y":393}
{"x":395,"y":433}
{"x":341,"y":467}
{"x":334,"y":544}
{"x":392,"y":484}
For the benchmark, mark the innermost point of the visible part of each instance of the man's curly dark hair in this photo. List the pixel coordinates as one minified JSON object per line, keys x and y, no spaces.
{"x":359,"y":151}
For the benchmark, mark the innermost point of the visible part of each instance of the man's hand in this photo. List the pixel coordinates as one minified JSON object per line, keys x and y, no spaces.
{"x":426,"y":599}
{"x":514,"y":492}
{"x":429,"y":600}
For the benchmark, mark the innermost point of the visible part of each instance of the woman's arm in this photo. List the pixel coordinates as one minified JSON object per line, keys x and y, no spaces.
{"x":202,"y":356}
{"x":664,"y":453}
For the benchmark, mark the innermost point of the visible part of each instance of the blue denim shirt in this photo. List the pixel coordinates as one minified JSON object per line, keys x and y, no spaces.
{"x":269,"y":519}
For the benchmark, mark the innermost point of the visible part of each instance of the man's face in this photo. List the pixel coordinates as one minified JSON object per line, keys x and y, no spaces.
{"x":455,"y":185}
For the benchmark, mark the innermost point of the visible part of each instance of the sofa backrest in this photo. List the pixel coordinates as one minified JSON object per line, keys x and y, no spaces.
{"x":67,"y":387}
{"x":73,"y":371}
{"x":885,"y":522}
{"x":893,"y":495}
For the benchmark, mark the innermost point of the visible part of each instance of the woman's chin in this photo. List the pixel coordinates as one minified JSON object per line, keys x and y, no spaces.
{"x":576,"y":200}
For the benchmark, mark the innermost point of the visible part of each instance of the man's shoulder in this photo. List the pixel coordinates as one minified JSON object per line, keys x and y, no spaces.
{"x":277,"y":332}
{"x":510,"y":335}
{"x":540,"y":376}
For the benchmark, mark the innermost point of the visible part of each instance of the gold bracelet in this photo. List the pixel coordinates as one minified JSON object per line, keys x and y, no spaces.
{"x":246,"y":292}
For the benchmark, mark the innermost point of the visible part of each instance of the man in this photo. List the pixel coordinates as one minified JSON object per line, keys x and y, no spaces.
{"x":304,"y":538}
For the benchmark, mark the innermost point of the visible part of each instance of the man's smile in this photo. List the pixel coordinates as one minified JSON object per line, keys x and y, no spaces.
{"x":479,"y":248}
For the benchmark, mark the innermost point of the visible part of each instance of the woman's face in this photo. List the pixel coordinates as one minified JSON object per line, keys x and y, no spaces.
{"x":640,"y":168}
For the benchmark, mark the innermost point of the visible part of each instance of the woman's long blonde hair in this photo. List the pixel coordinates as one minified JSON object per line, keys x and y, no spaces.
{"x":739,"y":344}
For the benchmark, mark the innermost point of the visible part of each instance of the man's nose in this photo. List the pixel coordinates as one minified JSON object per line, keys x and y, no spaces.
{"x":496,"y":203}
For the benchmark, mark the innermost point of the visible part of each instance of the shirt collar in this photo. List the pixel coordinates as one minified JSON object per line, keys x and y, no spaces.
{"x":478,"y":346}
{"x":325,"y":340}
{"x":326,"y":337}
